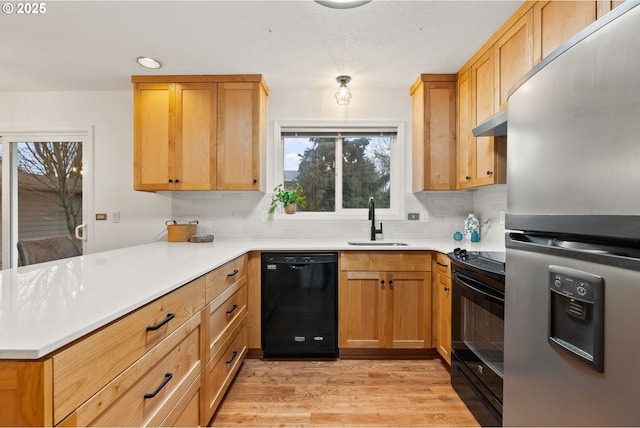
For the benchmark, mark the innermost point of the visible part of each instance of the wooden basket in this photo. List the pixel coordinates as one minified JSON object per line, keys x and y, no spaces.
{"x":180,"y":232}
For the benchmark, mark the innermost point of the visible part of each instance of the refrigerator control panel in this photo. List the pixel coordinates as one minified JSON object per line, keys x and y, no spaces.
{"x":577,"y":287}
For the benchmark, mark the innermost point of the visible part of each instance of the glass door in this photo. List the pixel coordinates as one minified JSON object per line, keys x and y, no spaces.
{"x":43,"y":190}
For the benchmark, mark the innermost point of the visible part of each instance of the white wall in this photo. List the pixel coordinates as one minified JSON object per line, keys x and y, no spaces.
{"x":235,"y":214}
{"x":110,"y":113}
{"x":230,"y":215}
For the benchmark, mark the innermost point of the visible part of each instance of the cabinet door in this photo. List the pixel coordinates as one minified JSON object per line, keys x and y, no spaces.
{"x":514,"y":56}
{"x":410,"y":316}
{"x":238,"y":165}
{"x":195,"y":145}
{"x":484,"y":105}
{"x":361,"y":306}
{"x":465,"y":142}
{"x":434,"y":135}
{"x":555,"y":22}
{"x":443,"y":319}
{"x":154,"y":136}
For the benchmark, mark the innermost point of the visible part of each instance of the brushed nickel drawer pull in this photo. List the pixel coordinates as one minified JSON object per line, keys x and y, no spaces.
{"x":169,"y":317}
{"x":233,"y":357}
{"x":233,"y":308}
{"x":167,"y":378}
{"x":234,"y":273}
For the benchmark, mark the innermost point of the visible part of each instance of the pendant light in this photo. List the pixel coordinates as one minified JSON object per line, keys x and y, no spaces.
{"x":343,"y":96}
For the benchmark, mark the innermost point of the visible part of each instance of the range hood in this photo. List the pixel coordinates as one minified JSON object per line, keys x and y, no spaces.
{"x":494,"y":126}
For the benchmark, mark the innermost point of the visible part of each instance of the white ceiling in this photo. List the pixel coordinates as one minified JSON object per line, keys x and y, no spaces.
{"x":93,"y":45}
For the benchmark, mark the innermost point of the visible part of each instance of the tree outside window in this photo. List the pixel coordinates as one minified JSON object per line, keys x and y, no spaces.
{"x":53,"y":171}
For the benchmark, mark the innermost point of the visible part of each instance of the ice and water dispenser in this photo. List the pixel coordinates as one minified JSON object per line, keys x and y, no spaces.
{"x":576,"y":313}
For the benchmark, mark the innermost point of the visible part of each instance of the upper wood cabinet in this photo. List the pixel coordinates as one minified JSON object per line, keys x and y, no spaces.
{"x":479,"y":162}
{"x":433,"y":112}
{"x":199,"y":132}
{"x":555,"y":22}
{"x":465,"y":139}
{"x":514,"y":56}
{"x":242,"y":128}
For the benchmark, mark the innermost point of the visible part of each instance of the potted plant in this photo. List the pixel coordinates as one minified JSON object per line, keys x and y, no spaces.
{"x":288,"y":198}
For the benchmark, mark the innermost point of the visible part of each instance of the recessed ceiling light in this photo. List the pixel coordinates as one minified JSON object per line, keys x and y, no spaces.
{"x":148,"y":62}
{"x":342,"y":4}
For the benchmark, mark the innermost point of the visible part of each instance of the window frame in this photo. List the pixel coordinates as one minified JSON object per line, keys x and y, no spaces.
{"x":395,"y":212}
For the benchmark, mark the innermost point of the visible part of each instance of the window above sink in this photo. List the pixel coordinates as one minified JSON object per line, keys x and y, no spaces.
{"x":340,"y":167}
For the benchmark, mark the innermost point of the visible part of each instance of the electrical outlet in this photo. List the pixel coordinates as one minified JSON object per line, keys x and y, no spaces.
{"x":101,"y":216}
{"x":413,"y":216}
{"x":424,"y":216}
{"x":115,"y":217}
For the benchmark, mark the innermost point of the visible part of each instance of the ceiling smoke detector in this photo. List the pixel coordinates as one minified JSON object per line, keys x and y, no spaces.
{"x":342,"y":4}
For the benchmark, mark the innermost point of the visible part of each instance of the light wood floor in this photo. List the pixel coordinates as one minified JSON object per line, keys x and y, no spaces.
{"x":342,"y":393}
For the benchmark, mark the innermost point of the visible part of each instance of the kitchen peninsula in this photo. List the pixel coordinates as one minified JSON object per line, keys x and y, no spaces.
{"x":50,"y":311}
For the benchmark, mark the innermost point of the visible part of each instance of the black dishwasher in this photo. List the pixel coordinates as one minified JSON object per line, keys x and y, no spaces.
{"x":300,"y":305}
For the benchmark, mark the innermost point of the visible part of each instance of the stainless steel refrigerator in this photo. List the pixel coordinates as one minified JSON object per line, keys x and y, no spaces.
{"x":572,"y":307}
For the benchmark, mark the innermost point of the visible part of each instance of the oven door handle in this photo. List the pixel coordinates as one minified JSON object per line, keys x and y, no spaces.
{"x":464,"y":280}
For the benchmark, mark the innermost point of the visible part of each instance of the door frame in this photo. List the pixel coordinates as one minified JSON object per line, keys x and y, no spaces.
{"x":9,"y":171}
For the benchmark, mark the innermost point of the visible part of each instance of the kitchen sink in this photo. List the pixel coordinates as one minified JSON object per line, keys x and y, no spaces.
{"x":377,"y":244}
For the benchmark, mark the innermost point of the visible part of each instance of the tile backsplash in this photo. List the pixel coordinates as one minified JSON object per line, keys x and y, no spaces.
{"x":238,"y":215}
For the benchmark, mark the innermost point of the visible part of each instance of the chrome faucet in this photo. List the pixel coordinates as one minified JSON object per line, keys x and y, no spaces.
{"x":372,"y":217}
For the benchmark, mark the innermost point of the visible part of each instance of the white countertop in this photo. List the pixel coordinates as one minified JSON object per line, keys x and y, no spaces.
{"x":46,"y":306}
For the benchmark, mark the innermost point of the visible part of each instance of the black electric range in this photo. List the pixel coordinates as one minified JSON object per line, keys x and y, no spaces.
{"x":477,"y":331}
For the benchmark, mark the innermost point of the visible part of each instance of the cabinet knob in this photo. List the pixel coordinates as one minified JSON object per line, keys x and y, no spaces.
{"x":382,"y":281}
{"x":446,"y":288}
{"x":255,"y":181}
{"x":489,"y":172}
{"x":170,"y":181}
{"x":177,"y":181}
{"x":467,"y":178}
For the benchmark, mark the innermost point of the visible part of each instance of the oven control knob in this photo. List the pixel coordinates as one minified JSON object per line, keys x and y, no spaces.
{"x":480,"y":369}
{"x":557,"y":283}
{"x":463,"y":254}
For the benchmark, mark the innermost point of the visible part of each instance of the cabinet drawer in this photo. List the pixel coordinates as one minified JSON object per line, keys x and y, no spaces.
{"x":145,"y":392}
{"x":386,"y":260}
{"x":226,"y":310}
{"x":443,"y":264}
{"x":84,"y":368}
{"x":187,"y":412}
{"x":222,"y":368}
{"x":221,"y":278}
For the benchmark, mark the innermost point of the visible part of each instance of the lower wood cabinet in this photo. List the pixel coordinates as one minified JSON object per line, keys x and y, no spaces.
{"x":187,"y":412}
{"x":442,"y":319}
{"x":384,"y":300}
{"x":84,"y":368}
{"x":222,"y":368}
{"x":168,"y":363}
{"x":146,"y":391}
